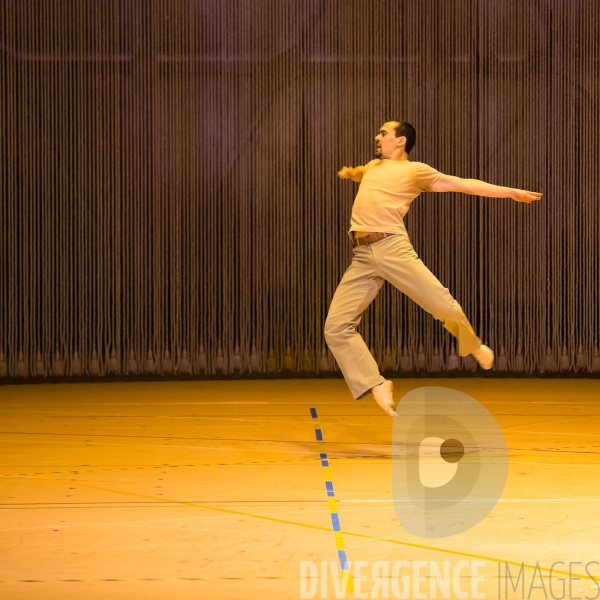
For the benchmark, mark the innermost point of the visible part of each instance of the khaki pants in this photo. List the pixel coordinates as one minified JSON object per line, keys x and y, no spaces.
{"x":392,"y":259}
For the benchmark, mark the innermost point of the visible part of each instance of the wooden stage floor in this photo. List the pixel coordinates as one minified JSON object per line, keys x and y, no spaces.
{"x":215,"y":489}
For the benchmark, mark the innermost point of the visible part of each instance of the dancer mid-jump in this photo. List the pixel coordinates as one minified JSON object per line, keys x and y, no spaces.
{"x":383,"y":252}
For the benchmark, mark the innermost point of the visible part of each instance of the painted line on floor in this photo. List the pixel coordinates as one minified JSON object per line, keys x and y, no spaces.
{"x":331,"y":501}
{"x":501,"y":501}
{"x":215,"y":447}
{"x":166,"y":504}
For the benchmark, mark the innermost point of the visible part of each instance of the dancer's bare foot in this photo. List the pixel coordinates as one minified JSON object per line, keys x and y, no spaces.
{"x":484,"y":356}
{"x":383,"y":394}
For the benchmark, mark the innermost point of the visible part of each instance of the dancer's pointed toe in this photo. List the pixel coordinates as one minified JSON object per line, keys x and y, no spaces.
{"x":384,"y":396}
{"x":484,"y":356}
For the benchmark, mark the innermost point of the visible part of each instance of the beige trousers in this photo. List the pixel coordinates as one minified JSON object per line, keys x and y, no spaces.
{"x":392,"y":259}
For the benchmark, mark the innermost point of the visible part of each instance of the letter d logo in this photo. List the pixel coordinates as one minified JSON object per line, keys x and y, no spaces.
{"x":449,"y":462}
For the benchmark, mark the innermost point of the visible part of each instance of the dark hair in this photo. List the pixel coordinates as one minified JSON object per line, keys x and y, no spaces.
{"x":408,"y":131}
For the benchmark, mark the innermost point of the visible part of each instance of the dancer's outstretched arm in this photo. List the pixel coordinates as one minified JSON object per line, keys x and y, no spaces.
{"x":354,"y":173}
{"x":448,"y":183}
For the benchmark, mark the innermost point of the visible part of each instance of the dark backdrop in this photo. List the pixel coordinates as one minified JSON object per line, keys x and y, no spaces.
{"x":169,"y":199}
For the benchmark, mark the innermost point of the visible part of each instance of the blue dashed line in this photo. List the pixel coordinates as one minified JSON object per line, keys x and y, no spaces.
{"x":335,"y":522}
{"x":335,"y":517}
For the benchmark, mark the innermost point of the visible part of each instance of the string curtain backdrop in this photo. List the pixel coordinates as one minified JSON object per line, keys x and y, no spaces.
{"x":169,"y":198}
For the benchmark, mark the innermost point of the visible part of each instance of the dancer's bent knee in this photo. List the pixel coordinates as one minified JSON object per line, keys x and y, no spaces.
{"x":335,"y":331}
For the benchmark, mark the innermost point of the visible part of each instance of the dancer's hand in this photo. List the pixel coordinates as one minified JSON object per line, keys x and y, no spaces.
{"x":525,"y":196}
{"x":356,"y":173}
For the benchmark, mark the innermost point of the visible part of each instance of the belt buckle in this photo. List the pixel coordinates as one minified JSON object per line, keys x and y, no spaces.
{"x":365,"y":240}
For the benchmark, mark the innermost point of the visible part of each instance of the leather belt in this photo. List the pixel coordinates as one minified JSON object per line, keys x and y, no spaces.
{"x":369,"y":239}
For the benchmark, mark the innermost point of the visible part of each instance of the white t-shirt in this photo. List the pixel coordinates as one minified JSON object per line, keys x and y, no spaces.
{"x":386,"y":191}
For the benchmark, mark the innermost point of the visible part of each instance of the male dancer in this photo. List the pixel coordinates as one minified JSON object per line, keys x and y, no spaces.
{"x":383,"y":252}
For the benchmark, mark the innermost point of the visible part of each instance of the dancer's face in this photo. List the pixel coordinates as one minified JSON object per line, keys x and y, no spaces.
{"x":387,"y":142}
